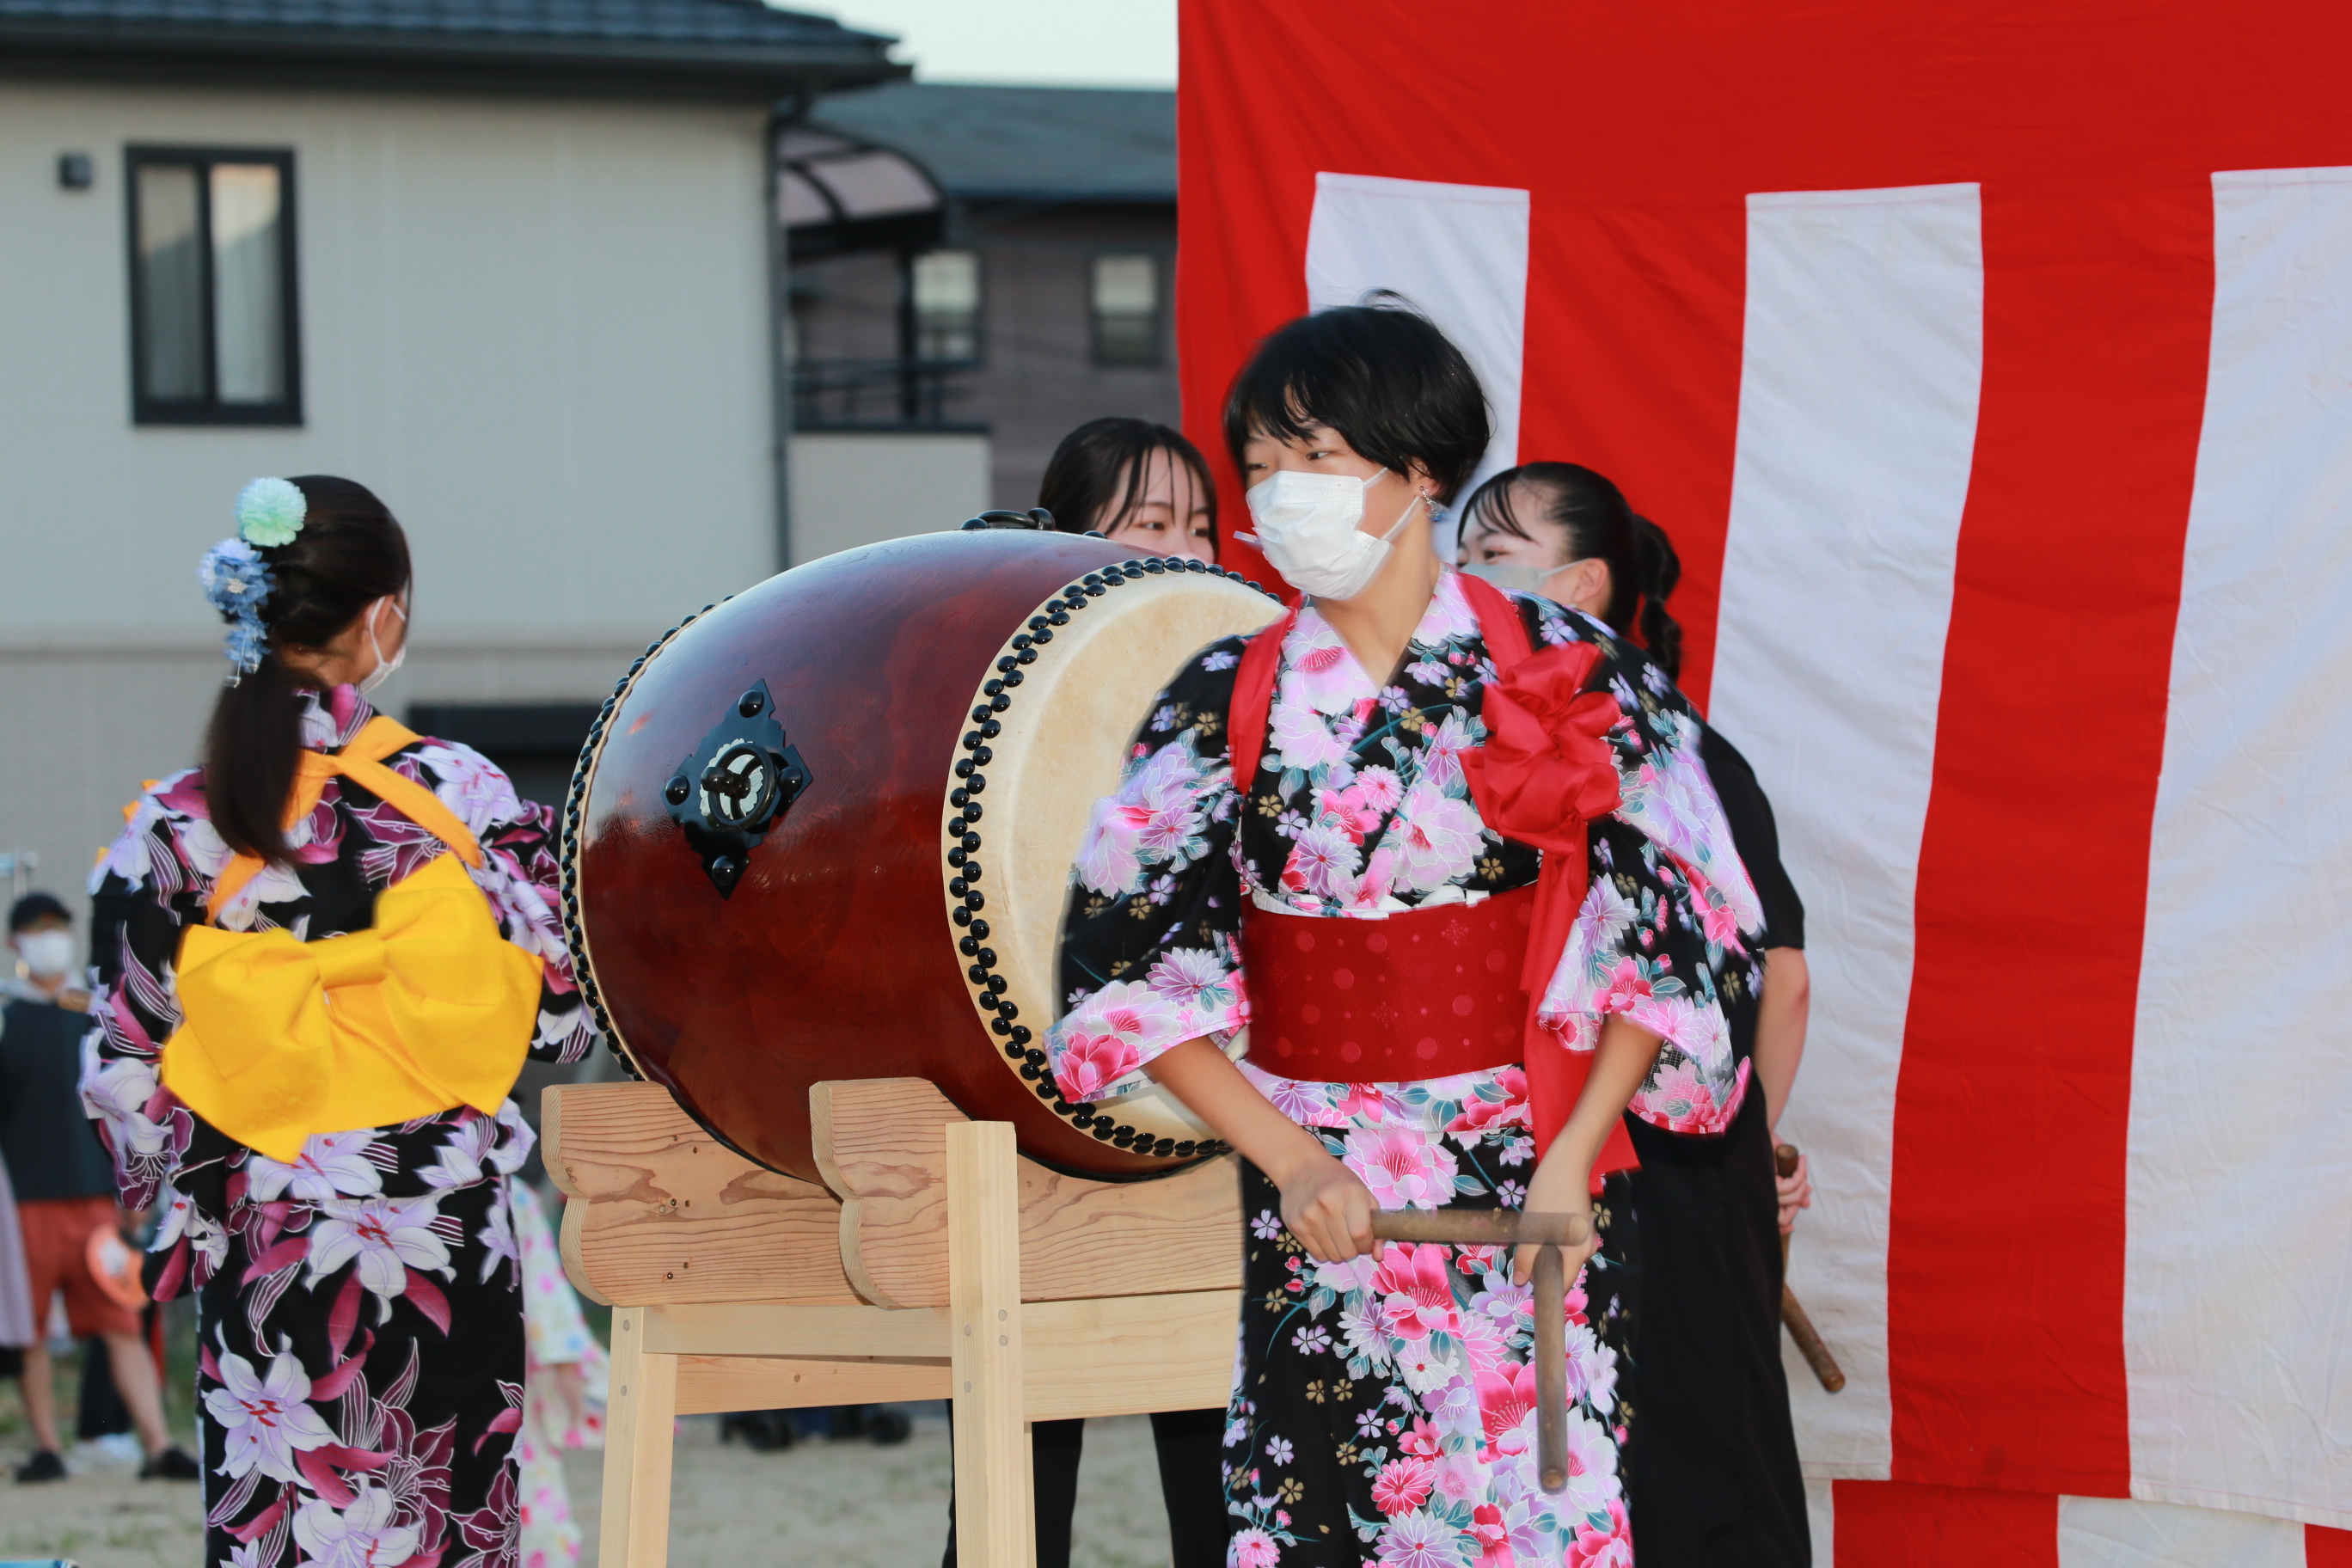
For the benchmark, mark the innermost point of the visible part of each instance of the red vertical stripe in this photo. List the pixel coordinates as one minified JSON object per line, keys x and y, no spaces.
{"x":1633,"y":348}
{"x":2005,"y":1252}
{"x":2326,"y":1548}
{"x":1889,"y":1524}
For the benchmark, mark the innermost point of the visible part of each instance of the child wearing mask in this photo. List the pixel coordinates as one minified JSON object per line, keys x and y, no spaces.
{"x":1448,"y":855}
{"x":64,"y":1187}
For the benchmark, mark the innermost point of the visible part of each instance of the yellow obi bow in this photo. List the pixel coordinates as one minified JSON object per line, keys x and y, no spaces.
{"x":428,"y":1010}
{"x":361,"y":761}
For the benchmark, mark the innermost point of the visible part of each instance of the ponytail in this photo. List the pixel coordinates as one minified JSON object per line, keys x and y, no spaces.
{"x":1656,"y":570}
{"x":1589,"y":516}
{"x":348,"y":552}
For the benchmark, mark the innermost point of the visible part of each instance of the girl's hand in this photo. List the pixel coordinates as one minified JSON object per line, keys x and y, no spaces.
{"x":1327,"y":1208}
{"x":1558,"y":1188}
{"x":1796,"y":1191}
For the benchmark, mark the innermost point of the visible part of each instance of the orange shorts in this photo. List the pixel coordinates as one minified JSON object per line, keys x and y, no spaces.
{"x":57,"y":1257}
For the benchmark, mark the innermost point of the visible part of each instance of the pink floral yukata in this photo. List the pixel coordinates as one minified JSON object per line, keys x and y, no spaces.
{"x":360,"y":1316}
{"x":1384,"y":1413}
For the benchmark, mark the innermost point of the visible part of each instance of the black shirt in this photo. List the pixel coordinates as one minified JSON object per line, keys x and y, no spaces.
{"x":1749,"y":816}
{"x":45,"y":1136}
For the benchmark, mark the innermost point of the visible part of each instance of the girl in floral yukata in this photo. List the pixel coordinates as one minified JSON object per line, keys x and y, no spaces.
{"x":1448,"y":855}
{"x":1719,"y":1481}
{"x":321,"y":959}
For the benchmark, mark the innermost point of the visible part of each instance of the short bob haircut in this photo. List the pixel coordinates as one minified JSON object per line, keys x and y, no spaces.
{"x":1381,"y":375}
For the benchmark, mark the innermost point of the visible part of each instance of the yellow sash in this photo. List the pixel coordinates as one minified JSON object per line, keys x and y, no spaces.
{"x":361,"y":761}
{"x":428,"y":1010}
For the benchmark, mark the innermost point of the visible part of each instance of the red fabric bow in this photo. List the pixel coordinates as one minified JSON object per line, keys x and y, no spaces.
{"x":1545,"y":772}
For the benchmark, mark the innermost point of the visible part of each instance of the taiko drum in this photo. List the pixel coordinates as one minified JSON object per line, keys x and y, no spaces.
{"x":824,"y":830}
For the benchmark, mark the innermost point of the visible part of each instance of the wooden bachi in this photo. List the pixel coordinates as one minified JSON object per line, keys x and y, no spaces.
{"x":920,"y":1269}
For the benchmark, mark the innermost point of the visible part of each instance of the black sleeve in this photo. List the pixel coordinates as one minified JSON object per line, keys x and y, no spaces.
{"x":1756,"y":837}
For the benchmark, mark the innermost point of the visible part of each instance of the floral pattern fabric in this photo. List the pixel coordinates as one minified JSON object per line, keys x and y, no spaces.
{"x":360,"y":1315}
{"x":1385,"y":1412}
{"x":1361,"y":808}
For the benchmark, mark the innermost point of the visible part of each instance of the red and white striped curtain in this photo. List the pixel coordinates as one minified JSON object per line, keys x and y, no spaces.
{"x":1991,"y":367}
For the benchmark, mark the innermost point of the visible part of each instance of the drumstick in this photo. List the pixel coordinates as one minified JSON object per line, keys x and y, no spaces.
{"x":1508,"y":1227}
{"x":1482,"y":1227}
{"x":1809,"y":1343}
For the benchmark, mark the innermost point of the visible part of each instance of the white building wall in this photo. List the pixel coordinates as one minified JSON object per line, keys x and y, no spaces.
{"x":536,"y":327}
{"x":861,"y":487}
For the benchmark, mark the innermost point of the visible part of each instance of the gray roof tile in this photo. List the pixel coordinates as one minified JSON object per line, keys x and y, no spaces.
{"x":726,"y":37}
{"x":1021,"y":143}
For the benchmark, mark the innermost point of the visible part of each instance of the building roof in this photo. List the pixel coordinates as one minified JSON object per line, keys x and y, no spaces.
{"x":1023,"y":143}
{"x":742,"y":43}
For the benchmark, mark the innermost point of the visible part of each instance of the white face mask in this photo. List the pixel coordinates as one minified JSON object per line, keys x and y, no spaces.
{"x":1307,"y":527}
{"x":384,"y":667}
{"x":1510,"y":575}
{"x":48,"y":953}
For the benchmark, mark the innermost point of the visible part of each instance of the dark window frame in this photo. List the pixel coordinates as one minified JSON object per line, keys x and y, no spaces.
{"x":210,"y":409}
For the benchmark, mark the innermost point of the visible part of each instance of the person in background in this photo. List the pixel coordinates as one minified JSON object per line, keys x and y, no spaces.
{"x":1719,"y":1481}
{"x":64,"y":1187}
{"x":563,"y":1390}
{"x":1134,"y":481}
{"x":17,"y":1328}
{"x":1141,"y":484}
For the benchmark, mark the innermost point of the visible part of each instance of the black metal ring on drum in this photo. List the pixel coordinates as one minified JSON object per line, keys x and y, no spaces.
{"x":738,"y":788}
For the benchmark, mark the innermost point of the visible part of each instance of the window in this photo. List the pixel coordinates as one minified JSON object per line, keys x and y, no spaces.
{"x":212,"y":287}
{"x":1127,"y":310}
{"x":945,"y":285}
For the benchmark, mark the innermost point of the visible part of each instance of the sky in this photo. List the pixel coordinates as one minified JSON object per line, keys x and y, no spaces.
{"x":1039,"y":43}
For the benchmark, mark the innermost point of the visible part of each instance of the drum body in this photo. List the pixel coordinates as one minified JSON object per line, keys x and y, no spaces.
{"x":825,"y":831}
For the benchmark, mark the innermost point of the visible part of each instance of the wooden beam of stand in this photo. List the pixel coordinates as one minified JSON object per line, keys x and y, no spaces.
{"x":661,"y":1211}
{"x":995,"y":1527}
{"x":634,"y":1531}
{"x":882,"y":1146}
{"x":712,"y":1384}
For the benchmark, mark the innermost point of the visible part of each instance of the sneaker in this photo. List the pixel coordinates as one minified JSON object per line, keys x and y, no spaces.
{"x":171,"y":1465}
{"x":44,"y":1466}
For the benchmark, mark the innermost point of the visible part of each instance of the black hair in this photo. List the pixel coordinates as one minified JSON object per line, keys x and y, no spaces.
{"x":36,"y":907}
{"x":1596,"y":524}
{"x":1381,"y":375}
{"x":350,"y":553}
{"x":1096,"y":478}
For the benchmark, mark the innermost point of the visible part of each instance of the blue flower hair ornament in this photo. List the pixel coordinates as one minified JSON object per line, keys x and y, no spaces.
{"x":237,"y":581}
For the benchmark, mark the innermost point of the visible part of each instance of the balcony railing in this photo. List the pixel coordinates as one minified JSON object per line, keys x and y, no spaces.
{"x":879,"y":394}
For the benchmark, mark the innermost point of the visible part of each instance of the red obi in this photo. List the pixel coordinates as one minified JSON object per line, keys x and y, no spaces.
{"x":1421,"y":993}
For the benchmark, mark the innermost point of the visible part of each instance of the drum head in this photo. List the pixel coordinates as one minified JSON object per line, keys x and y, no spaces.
{"x":1072,"y":717}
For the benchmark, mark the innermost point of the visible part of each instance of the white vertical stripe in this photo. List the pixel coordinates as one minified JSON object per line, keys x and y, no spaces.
{"x":1458,"y":253}
{"x":1863,"y":357}
{"x":1821,"y":1515}
{"x":2113,"y":1532}
{"x":2238,"y":1261}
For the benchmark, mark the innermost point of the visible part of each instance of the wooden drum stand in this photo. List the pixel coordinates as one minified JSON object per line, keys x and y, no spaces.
{"x":918,"y":1270}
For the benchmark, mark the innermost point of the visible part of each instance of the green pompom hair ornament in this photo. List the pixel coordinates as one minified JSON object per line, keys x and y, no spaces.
{"x":270,"y":511}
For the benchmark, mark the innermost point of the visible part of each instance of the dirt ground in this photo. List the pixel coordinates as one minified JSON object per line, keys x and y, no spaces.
{"x":841,"y":1505}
